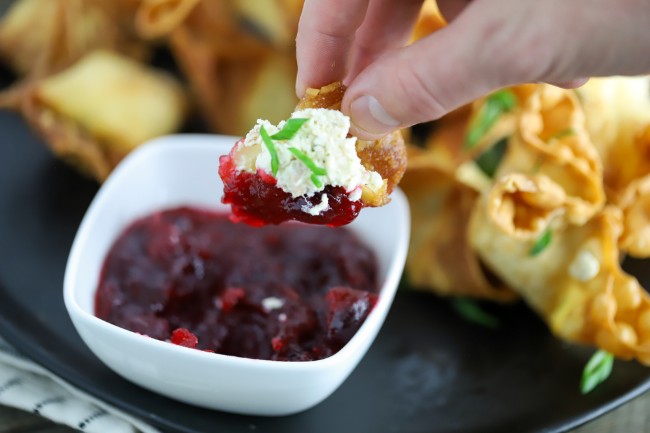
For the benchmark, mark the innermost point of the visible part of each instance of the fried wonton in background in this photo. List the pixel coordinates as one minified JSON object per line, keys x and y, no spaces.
{"x":238,"y":72}
{"x":95,"y":112}
{"x":575,"y":283}
{"x":550,"y":140}
{"x":42,"y":37}
{"x":440,"y":258}
{"x":560,"y":181}
{"x":429,"y":21}
{"x":465,"y":134}
{"x":634,"y":201}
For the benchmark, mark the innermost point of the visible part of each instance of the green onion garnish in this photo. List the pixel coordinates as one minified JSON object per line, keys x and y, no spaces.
{"x":495,"y":105}
{"x":597,"y":370}
{"x":541,"y":243}
{"x":316,"y":181}
{"x":564,"y":133}
{"x":489,"y":160}
{"x":316,"y":170}
{"x":289,"y":129}
{"x":470,"y":311}
{"x":271,"y":147}
{"x":308,"y":162}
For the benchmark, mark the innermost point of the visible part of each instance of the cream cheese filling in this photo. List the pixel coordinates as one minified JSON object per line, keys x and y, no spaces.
{"x":585,"y":266}
{"x":323,"y":138}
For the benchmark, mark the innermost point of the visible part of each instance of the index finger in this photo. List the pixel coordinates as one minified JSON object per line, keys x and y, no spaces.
{"x":325,"y":36}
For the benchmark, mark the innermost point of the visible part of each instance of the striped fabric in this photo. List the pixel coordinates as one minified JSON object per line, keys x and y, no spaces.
{"x":27,"y":386}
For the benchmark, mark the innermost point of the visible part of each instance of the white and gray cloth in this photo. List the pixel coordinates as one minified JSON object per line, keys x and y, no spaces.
{"x":28,"y":386}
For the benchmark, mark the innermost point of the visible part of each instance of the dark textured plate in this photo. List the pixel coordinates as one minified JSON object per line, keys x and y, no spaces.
{"x":428,"y":371}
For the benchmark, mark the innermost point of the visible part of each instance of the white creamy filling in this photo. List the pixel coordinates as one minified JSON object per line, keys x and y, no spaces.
{"x":320,"y":207}
{"x":355,"y":194}
{"x":323,"y":139}
{"x":585,"y":266}
{"x":272,"y":303}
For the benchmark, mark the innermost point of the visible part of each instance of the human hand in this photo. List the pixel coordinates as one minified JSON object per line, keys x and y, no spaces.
{"x":487,"y":45}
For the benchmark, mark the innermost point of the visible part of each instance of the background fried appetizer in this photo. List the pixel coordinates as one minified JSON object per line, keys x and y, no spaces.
{"x":42,"y":37}
{"x":560,"y":181}
{"x":239,"y":56}
{"x":137,"y":103}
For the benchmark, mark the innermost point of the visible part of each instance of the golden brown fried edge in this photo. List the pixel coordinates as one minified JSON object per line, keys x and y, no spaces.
{"x":386,"y":156}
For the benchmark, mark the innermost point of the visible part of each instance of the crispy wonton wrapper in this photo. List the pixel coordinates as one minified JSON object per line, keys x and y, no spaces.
{"x":429,"y":21}
{"x":540,"y":219}
{"x":635,"y":204}
{"x":42,"y":37}
{"x":237,"y":75}
{"x":576,"y":283}
{"x":95,"y":112}
{"x":550,"y":140}
{"x":386,"y":156}
{"x":448,"y":141}
{"x":440,"y":258}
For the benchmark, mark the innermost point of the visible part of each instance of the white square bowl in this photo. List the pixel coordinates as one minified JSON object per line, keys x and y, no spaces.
{"x":183,"y":170}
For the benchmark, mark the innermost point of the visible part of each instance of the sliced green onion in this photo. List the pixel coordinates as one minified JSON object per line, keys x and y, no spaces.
{"x":597,"y":370}
{"x":316,"y":170}
{"x":289,"y":129}
{"x":271,"y":147}
{"x":316,"y":181}
{"x":495,"y":105}
{"x":489,"y":160}
{"x":472,"y":312}
{"x":541,"y":243}
{"x":564,"y":133}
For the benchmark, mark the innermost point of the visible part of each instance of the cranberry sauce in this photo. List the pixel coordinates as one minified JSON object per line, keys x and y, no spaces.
{"x":193,"y":277}
{"x":256,"y":200}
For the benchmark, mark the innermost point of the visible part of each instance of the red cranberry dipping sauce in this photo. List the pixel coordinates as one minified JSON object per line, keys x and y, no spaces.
{"x":256,"y":200}
{"x":193,"y":277}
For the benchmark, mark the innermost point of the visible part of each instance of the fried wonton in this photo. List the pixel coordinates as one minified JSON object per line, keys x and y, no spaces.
{"x":237,"y":74}
{"x":570,"y":274}
{"x":442,"y":182}
{"x":42,"y":37}
{"x":95,"y":112}
{"x":634,"y":201}
{"x":550,"y":140}
{"x":561,"y":187}
{"x":429,"y":21}
{"x":545,"y":230}
{"x":440,"y":258}
{"x":463,"y":135}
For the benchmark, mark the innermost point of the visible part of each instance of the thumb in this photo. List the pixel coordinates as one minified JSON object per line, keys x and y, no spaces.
{"x":475,"y":54}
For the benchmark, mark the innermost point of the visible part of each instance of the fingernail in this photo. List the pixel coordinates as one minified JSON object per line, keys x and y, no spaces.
{"x":300,"y":88}
{"x":367,"y":114}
